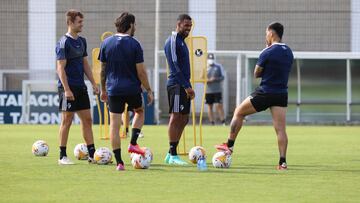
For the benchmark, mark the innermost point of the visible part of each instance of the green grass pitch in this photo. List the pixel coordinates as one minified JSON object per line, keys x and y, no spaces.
{"x":324,"y":166}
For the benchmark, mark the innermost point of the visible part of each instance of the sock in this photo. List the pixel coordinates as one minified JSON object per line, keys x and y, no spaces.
{"x":117,"y":153}
{"x":91,"y":149}
{"x":134,"y":135}
{"x":230,"y":143}
{"x":223,"y":121}
{"x":173,"y":146}
{"x":282,"y":160}
{"x":62,"y":151}
{"x":127,"y":130}
{"x":212,"y":122}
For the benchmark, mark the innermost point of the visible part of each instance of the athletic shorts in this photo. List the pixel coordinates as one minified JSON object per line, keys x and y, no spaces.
{"x":211,"y":98}
{"x":261,"y":101}
{"x":81,"y":101}
{"x":178,"y":100}
{"x":116,"y":104}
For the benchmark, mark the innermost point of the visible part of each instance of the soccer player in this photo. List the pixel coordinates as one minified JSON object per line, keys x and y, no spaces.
{"x":122,"y":74}
{"x":179,"y":88}
{"x":273,"y":66}
{"x":73,"y":97}
{"x":215,"y":75}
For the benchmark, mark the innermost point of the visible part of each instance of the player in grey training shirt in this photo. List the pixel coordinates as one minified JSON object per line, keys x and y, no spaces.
{"x":215,"y":75}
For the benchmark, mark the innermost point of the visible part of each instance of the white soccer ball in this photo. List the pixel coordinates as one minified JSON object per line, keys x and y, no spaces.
{"x":195,"y":153}
{"x":221,"y":160}
{"x":142,"y":162}
{"x":102,"y":156}
{"x":81,"y":152}
{"x":40,"y":148}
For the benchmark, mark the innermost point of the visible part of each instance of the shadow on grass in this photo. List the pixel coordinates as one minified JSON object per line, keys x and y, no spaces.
{"x":261,"y":169}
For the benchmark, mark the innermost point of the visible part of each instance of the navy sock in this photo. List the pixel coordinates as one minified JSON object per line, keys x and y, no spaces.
{"x":173,"y":146}
{"x":91,"y":149}
{"x":62,"y":151}
{"x":117,"y":153}
{"x":134,"y":135}
{"x":230,"y":143}
{"x":282,"y":160}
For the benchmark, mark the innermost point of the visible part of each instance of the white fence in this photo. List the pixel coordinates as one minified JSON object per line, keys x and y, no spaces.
{"x":244,"y":78}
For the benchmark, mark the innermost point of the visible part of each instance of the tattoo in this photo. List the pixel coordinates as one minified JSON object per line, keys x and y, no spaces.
{"x":103,"y":75}
{"x":233,"y":127}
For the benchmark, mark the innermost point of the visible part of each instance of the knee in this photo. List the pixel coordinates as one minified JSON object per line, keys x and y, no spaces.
{"x":280,"y":131}
{"x":66,"y":121}
{"x":87,"y":121}
{"x":238,"y":115}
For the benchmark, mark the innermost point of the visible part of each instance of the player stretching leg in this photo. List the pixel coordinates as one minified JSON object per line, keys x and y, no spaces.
{"x":273,"y":67}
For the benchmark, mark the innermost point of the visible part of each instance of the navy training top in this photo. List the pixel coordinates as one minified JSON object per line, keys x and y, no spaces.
{"x":73,"y":51}
{"x":276,"y":61}
{"x":177,"y":55}
{"x":121,"y":53}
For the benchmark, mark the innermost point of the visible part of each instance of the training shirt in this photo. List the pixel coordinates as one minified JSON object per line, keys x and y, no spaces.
{"x":276,"y":61}
{"x":177,"y":55}
{"x":121,"y":53}
{"x":216,"y":71}
{"x":73,"y":51}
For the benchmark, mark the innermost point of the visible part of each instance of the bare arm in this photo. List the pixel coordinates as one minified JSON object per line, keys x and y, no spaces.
{"x":60,"y":69}
{"x":103,"y":95}
{"x":258,"y":71}
{"x":141,"y":72}
{"x":88,"y":71}
{"x":90,"y":76}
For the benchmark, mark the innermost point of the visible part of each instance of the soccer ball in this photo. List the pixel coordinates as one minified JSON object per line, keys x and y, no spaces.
{"x":81,"y":152}
{"x":195,"y":153}
{"x":221,"y":160}
{"x":40,"y":148}
{"x":142,"y":162}
{"x":102,"y":156}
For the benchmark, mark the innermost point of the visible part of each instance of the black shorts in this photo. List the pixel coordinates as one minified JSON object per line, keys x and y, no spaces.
{"x":178,"y":100}
{"x":261,"y":101}
{"x":81,"y":101}
{"x":211,"y":98}
{"x":116,"y":104}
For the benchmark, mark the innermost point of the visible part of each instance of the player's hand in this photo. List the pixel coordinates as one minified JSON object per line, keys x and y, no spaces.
{"x":96,"y":89}
{"x":190,"y":93}
{"x":211,"y":79}
{"x":69,"y":95}
{"x":150,"y":98}
{"x":103,"y":96}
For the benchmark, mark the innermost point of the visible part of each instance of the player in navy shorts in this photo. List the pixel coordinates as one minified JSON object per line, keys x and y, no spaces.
{"x":273,"y":67}
{"x":71,"y":66}
{"x":123,"y":75}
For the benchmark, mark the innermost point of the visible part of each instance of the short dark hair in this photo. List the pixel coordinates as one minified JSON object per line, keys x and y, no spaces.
{"x":123,"y":22}
{"x":278,"y":28}
{"x":72,"y":14}
{"x":183,"y":17}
